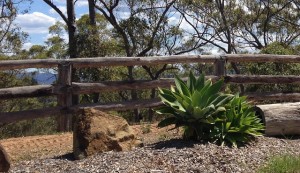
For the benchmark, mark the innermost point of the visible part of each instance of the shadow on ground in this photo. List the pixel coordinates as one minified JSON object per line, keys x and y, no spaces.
{"x":68,"y":156}
{"x":174,"y":143}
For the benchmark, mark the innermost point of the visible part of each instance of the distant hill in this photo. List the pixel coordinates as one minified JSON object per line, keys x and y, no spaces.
{"x":45,"y":78}
{"x":41,"y":77}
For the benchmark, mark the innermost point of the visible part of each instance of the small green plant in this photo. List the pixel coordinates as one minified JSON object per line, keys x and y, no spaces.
{"x":163,"y":137}
{"x":206,"y":113}
{"x":285,"y":163}
{"x":146,"y":128}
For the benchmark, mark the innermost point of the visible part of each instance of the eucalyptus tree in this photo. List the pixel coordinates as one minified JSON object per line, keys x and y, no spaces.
{"x":57,"y":46}
{"x":96,"y":40}
{"x":214,"y":22}
{"x":242,"y":26}
{"x":11,"y":37}
{"x":70,"y":21}
{"x":267,"y":21}
{"x":145,"y":28}
{"x":234,"y":26}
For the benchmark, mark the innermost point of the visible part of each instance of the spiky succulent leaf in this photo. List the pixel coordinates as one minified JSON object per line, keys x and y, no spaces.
{"x":191,"y":82}
{"x":182,"y":87}
{"x":200,"y":82}
{"x":167,"y":121}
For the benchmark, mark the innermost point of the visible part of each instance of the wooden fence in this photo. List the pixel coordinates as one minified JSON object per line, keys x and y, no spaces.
{"x":65,"y":88}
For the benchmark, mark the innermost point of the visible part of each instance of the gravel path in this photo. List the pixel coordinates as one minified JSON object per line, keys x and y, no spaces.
{"x":174,"y":155}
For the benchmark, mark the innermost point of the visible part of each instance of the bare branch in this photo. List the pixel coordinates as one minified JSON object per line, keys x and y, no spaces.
{"x":150,"y":44}
{"x":52,"y":5}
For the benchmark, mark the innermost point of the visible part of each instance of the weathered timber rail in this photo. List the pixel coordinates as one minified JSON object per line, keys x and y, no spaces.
{"x":65,"y":88}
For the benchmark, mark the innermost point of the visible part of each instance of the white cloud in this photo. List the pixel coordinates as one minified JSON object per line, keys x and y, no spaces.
{"x":186,"y":26}
{"x":215,"y":51}
{"x":63,"y":9}
{"x":123,"y":15}
{"x":81,"y":3}
{"x":173,"y":20}
{"x":27,"y":45}
{"x":35,"y":22}
{"x":176,"y":19}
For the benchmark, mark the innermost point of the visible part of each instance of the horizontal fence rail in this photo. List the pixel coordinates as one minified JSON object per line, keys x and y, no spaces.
{"x":88,"y":88}
{"x":65,"y":88}
{"x":131,"y":61}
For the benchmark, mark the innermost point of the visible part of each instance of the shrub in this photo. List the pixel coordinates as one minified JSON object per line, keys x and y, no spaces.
{"x":205,"y":113}
{"x":145,"y":127}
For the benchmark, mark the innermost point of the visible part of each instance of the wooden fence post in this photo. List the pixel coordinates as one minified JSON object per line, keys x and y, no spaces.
{"x":220,"y":67}
{"x":65,"y":100}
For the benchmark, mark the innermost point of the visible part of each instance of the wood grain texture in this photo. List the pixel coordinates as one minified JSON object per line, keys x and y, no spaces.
{"x":262,"y":79}
{"x":26,"y":91}
{"x":131,"y":61}
{"x":281,"y":119}
{"x":9,"y":117}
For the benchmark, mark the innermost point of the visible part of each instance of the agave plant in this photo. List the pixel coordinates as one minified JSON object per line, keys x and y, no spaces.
{"x":195,"y":105}
{"x":208,"y":114}
{"x":240,"y":125}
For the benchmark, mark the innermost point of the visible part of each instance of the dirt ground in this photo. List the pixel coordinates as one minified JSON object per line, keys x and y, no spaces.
{"x":47,"y":146}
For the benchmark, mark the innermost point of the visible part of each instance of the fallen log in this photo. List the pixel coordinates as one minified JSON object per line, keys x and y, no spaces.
{"x":281,"y":119}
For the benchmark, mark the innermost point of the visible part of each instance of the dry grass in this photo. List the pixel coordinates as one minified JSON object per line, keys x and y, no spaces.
{"x":47,"y":146}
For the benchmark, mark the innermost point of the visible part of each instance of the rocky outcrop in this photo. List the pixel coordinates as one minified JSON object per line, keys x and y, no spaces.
{"x":96,"y":131}
{"x":4,"y":160}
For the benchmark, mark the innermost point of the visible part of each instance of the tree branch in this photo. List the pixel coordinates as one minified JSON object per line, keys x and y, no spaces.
{"x":51,"y":4}
{"x":150,"y":44}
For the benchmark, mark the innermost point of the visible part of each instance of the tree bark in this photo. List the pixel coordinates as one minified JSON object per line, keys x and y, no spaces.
{"x":72,"y":42}
{"x":71,"y":28}
{"x":92,"y":12}
{"x":281,"y":119}
{"x":94,"y":51}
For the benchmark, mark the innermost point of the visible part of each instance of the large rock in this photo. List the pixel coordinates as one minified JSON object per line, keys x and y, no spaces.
{"x":96,"y":131}
{"x":4,"y":160}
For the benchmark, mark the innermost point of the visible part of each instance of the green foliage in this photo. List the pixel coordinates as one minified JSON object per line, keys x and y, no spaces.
{"x":240,"y":123}
{"x":41,"y":126}
{"x":208,"y":114}
{"x":14,"y":78}
{"x":145,"y":127}
{"x":95,"y":40}
{"x":285,"y":163}
{"x":273,"y":68}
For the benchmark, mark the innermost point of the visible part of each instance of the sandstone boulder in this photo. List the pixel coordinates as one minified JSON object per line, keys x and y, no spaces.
{"x":4,"y":160}
{"x":96,"y":131}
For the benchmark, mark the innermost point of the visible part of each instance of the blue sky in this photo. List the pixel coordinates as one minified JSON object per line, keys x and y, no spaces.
{"x":40,"y":17}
